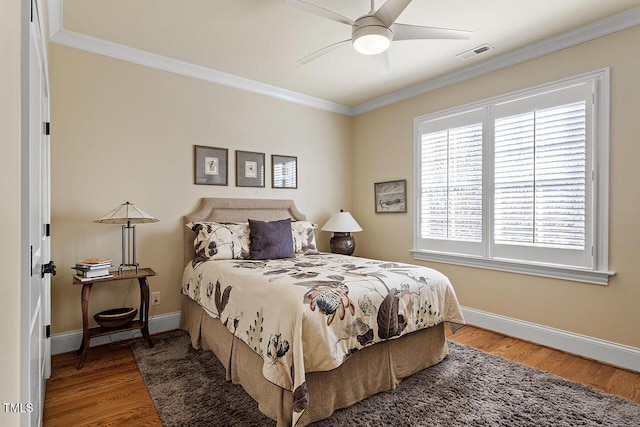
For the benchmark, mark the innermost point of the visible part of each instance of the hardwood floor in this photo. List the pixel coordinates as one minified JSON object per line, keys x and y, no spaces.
{"x":109,"y":391}
{"x":590,"y":372}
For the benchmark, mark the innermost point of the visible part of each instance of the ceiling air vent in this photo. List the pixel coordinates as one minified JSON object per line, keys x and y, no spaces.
{"x":475,"y":51}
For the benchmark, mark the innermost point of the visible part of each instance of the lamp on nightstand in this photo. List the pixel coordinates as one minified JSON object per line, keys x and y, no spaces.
{"x":342,"y":224}
{"x":127,"y":214}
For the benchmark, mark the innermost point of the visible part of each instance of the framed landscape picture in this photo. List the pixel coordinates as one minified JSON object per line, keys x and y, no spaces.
{"x":249,"y":169}
{"x":210,"y":165}
{"x":391,"y":196}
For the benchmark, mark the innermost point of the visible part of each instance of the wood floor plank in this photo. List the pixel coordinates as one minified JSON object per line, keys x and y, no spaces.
{"x":109,"y":390}
{"x":574,"y":368}
{"x":477,"y":338}
{"x":624,"y":383}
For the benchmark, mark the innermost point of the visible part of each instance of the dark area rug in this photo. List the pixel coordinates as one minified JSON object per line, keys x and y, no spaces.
{"x":469,"y":388}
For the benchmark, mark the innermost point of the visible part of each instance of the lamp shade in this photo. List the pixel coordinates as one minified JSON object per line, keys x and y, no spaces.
{"x":342,"y":222}
{"x":126,"y":213}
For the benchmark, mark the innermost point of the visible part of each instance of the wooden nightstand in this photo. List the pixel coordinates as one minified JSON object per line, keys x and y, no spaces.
{"x":142,"y":324}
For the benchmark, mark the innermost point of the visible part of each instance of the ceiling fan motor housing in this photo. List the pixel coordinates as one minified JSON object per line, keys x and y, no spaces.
{"x":370,"y":36}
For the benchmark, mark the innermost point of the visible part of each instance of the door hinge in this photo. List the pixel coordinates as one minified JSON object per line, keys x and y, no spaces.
{"x":47,"y":331}
{"x":47,"y":128}
{"x":31,"y":260}
{"x":47,"y":230}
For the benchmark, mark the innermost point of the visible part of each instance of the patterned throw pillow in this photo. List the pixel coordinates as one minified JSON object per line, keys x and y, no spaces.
{"x":216,"y":240}
{"x":304,"y":239}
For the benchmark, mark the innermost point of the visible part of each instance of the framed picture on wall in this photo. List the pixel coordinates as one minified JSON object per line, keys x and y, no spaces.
{"x":249,"y":169}
{"x":284,"y":171}
{"x":210,"y":165}
{"x":391,"y":196}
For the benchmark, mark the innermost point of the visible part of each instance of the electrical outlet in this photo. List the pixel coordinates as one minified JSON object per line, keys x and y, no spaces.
{"x":155,"y":298}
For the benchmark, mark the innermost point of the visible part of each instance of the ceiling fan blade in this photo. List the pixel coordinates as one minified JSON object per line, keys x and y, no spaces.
{"x":389,"y":12}
{"x":382,"y":62}
{"x":323,"y":51}
{"x":317,"y":10}
{"x":417,"y":32}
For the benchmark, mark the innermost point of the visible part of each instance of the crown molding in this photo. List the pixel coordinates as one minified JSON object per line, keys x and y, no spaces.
{"x":59,"y":35}
{"x":141,"y":57}
{"x":54,"y":15}
{"x":586,"y":33}
{"x":604,"y":27}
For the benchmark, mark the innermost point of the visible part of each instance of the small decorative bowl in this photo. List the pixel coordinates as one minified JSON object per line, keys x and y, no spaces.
{"x":116,"y":317}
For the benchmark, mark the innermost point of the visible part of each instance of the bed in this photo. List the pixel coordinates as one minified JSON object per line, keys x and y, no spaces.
{"x":310,"y":333}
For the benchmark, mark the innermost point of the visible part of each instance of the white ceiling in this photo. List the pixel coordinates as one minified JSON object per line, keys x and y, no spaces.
{"x":261,"y":40}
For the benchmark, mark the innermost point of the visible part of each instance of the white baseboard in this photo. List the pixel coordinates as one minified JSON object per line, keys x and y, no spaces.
{"x":70,"y":341}
{"x":593,"y":348}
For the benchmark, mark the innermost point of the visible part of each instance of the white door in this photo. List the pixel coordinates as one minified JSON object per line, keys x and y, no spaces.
{"x":36,"y":358}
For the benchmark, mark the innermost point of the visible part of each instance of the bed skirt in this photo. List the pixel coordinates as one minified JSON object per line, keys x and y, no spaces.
{"x":378,"y":368}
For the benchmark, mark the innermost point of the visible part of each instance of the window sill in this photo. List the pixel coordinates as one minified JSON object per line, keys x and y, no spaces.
{"x":543,"y":270}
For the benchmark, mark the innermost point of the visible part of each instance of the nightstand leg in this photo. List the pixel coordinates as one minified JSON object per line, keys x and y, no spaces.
{"x":144,"y":309}
{"x":86,"y":339}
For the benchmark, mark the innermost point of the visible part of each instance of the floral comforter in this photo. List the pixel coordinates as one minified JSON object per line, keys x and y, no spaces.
{"x":312,"y":312}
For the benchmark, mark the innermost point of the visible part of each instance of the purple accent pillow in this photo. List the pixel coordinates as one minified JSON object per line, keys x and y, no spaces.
{"x":270,"y":240}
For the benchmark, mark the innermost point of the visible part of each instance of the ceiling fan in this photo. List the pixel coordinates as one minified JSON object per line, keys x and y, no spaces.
{"x":373,"y":33}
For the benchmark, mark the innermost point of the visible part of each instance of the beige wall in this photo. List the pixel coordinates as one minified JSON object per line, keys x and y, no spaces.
{"x":11,"y":248}
{"x":383,"y":148}
{"x":122,"y":132}
{"x":126,"y":132}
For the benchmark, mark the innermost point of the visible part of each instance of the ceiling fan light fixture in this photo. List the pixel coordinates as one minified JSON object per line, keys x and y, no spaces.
{"x":371,"y":44}
{"x":371,"y":38}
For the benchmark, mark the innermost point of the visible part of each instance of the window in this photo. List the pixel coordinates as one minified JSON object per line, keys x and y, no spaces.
{"x":285,"y":174}
{"x":284,"y":171}
{"x":518,"y":182}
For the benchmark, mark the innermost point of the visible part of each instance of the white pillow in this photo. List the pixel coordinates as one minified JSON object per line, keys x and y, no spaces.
{"x":304,"y":239}
{"x":216,"y":240}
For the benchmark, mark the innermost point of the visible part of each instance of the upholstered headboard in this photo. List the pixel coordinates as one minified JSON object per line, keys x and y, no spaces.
{"x":236,"y":210}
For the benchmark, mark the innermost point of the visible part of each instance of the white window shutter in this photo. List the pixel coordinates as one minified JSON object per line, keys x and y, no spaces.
{"x":451,"y":182}
{"x":434,"y":179}
{"x":514,"y":179}
{"x":518,"y":182}
{"x":540,"y":177}
{"x":560,"y":176}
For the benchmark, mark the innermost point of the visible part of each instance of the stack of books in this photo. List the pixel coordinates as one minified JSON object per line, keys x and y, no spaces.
{"x":93,"y":268}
